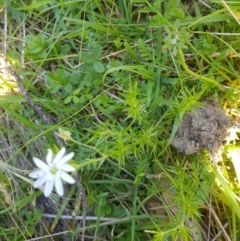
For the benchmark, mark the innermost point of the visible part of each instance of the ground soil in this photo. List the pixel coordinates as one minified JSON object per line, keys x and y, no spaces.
{"x":205,"y":128}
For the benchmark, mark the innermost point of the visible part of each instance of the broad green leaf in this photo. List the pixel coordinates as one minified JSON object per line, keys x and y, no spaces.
{"x":77,"y":91}
{"x":107,"y":208}
{"x":56,"y":88}
{"x":75,"y":99}
{"x":81,"y":99}
{"x":68,"y":88}
{"x":97,"y":53}
{"x":68,"y":99}
{"x":65,"y":49}
{"x":98,"y":67}
{"x":86,"y":57}
{"x":89,"y":96}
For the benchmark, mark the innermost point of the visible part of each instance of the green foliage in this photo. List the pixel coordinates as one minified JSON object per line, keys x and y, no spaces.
{"x":36,"y":46}
{"x":178,"y":38}
{"x":119,"y":76}
{"x":134,"y":106}
{"x":146,"y":52}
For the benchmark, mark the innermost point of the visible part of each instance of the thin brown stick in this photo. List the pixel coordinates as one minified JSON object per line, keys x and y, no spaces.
{"x":81,"y":199}
{"x":46,"y":118}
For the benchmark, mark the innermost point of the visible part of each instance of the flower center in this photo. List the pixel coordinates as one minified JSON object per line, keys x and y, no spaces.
{"x":54,"y":170}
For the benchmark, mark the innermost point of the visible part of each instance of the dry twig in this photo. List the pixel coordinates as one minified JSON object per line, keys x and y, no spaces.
{"x":82,"y":198}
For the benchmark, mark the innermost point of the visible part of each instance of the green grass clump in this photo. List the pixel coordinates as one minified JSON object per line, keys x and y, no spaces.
{"x":118,"y":76}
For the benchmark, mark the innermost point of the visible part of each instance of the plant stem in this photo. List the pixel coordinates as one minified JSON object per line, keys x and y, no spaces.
{"x":201,"y":77}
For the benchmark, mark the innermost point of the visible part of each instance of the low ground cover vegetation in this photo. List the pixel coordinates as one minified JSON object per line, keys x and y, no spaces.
{"x":140,"y":99}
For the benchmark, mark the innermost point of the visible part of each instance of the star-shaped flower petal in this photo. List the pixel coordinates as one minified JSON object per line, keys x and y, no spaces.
{"x":52,"y":172}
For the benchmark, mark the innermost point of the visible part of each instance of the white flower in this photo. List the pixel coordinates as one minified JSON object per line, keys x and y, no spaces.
{"x":51,"y":172}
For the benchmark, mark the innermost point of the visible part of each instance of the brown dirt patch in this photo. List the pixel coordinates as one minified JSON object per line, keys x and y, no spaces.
{"x":204,"y":129}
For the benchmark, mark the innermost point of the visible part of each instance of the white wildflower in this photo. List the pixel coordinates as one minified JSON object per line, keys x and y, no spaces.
{"x":51,"y":172}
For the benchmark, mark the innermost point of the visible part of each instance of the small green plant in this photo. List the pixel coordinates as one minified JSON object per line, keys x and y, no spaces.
{"x":37,"y":46}
{"x":75,"y":98}
{"x":91,"y":59}
{"x":176,"y":38}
